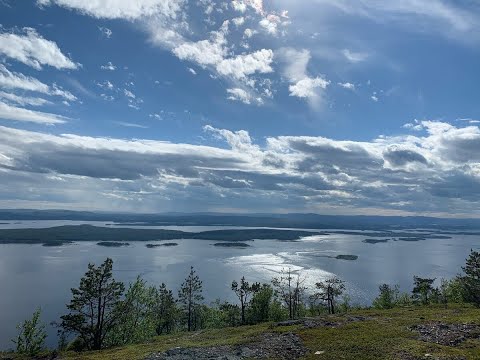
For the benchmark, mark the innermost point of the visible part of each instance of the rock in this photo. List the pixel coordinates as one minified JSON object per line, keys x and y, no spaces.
{"x":319,"y":352}
{"x":269,"y":346}
{"x":446,"y":334}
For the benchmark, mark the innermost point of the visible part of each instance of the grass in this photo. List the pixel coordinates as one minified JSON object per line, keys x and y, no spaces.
{"x":383,"y":335}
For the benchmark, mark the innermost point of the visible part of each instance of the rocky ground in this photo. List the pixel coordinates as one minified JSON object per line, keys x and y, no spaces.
{"x":447,"y":334}
{"x":286,"y":346}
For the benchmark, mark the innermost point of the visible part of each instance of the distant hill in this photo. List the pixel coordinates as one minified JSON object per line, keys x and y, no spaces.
{"x":308,"y":221}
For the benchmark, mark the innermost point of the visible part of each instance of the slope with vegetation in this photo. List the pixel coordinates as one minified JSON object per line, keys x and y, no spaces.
{"x":280,"y":320}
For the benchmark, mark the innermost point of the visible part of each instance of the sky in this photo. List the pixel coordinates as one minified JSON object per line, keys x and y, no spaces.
{"x":245,"y":106}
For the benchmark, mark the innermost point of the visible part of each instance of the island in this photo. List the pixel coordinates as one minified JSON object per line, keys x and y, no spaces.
{"x":232,"y":245}
{"x":169,"y":244}
{"x":112,"y":244}
{"x":375,"y":241}
{"x":346,"y":257}
{"x":77,"y":233}
{"x":57,"y":243}
{"x":413,"y":238}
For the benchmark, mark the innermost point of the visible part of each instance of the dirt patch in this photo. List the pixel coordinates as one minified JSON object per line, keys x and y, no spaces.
{"x":446,"y":334}
{"x":269,"y":346}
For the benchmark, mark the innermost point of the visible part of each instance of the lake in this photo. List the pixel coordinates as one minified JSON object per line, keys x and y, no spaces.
{"x":34,"y":275}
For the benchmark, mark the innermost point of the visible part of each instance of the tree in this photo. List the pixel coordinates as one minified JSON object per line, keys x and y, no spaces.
{"x":231,"y":314}
{"x":92,"y":314}
{"x":387,"y":298}
{"x":190,"y":296}
{"x":453,"y":290}
{"x":259,"y":309}
{"x":243,"y":291}
{"x":136,"y":321}
{"x":471,"y":280}
{"x":166,"y":311}
{"x":422,"y":289}
{"x":289,"y":288}
{"x":31,"y":339}
{"x":329,"y":290}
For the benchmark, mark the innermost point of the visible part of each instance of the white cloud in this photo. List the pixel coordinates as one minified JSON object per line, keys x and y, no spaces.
{"x":33,"y":50}
{"x":416,"y":126}
{"x":241,"y":66}
{"x":306,"y":88}
{"x":106,"y":85}
{"x":107,"y":97}
{"x":192,"y":71}
{"x":239,"y":5}
{"x":238,"y":94}
{"x":156,"y":116}
{"x":108,"y":66}
{"x":238,"y":21}
{"x":204,"y":52}
{"x":58,"y":91}
{"x":248,"y":33}
{"x":14,"y":113}
{"x":130,"y":125}
{"x":439,"y":12}
{"x":374,"y":98}
{"x":295,"y":63}
{"x":13,"y":80}
{"x":354,"y":57}
{"x":23,"y":100}
{"x":120,"y":9}
{"x":347,"y":85}
{"x":106,"y":32}
{"x":269,"y":26}
{"x":129,"y":94}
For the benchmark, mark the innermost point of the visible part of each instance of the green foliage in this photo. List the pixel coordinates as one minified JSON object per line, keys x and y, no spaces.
{"x":136,"y":315}
{"x":32,"y":335}
{"x":259,"y":310}
{"x":277,"y":311}
{"x":243,"y":291}
{"x":423,"y":290}
{"x":166,"y":311}
{"x":93,"y":306}
{"x":387,"y":298}
{"x":189,"y":297}
{"x":471,"y":279}
{"x":220,"y":315}
{"x":404,"y":299}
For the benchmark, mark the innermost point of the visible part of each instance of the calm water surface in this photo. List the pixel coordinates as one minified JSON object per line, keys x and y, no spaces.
{"x":33,"y":275}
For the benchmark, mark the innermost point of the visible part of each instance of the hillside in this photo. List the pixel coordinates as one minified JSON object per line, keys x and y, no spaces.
{"x":400,"y":334}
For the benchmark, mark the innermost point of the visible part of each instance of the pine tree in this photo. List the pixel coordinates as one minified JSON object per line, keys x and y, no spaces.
{"x":329,"y":290}
{"x":166,"y":311}
{"x":190,"y":296}
{"x":471,"y":280}
{"x":244,"y":291}
{"x":92,"y":314}
{"x":423,"y":289}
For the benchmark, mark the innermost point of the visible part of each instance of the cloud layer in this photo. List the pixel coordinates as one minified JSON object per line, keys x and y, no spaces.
{"x":436,"y":172}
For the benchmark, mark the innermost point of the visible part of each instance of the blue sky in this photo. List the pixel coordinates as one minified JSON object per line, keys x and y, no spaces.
{"x":348,"y":107}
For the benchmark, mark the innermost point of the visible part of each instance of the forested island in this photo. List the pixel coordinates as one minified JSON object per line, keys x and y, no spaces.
{"x":60,"y":235}
{"x":67,"y":234}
